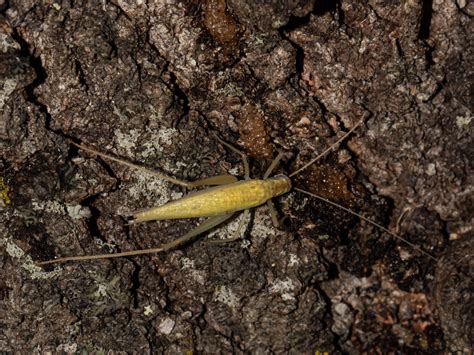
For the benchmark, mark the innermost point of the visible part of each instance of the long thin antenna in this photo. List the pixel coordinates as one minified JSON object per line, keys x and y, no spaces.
{"x":330,"y":148}
{"x":368,"y":221}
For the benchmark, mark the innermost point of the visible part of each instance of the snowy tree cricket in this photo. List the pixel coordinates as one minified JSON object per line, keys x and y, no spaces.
{"x":220,"y":202}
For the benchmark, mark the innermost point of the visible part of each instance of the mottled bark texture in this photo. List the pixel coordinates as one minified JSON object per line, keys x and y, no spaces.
{"x":152,"y":82}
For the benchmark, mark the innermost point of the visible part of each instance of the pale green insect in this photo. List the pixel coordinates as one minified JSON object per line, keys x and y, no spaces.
{"x":218,"y":202}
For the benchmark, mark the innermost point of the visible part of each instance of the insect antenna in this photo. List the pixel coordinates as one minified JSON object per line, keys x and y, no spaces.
{"x":331,"y":148}
{"x":406,"y":241}
{"x":325,"y":152}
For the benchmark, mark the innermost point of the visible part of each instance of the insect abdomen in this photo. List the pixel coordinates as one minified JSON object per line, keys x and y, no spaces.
{"x":218,"y":200}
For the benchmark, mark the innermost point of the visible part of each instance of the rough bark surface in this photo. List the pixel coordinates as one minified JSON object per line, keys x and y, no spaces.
{"x":151,"y":82}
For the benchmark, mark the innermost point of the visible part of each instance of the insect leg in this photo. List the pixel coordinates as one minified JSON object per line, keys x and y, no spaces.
{"x":205,"y":226}
{"x":273,"y":214}
{"x":215,"y":180}
{"x":273,"y":165}
{"x":242,"y":154}
{"x":135,"y":166}
{"x":236,"y":234}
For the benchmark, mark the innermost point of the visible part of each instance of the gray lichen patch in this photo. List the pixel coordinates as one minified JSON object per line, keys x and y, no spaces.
{"x":7,"y":88}
{"x":34,"y":271}
{"x":225,"y":295}
{"x":78,"y":211}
